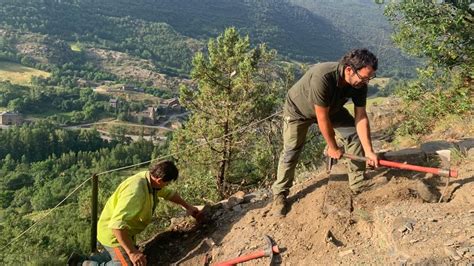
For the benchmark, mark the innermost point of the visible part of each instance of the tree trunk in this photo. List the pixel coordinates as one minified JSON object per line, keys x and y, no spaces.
{"x":221,"y":184}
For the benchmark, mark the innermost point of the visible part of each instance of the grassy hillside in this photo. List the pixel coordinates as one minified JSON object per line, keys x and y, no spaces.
{"x":18,"y":74}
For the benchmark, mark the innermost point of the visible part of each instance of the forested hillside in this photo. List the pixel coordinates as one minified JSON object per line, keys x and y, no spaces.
{"x":169,"y":32}
{"x":40,"y":165}
{"x":363,"y":22}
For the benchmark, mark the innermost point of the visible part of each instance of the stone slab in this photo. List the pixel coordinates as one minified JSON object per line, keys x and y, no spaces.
{"x":432,"y":147}
{"x":411,"y":155}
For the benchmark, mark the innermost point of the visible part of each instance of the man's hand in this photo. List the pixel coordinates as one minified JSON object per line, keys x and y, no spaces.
{"x":137,"y":258}
{"x":372,"y":159}
{"x":335,"y":153}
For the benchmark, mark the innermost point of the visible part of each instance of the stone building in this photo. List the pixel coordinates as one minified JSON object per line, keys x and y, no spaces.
{"x":170,"y":106}
{"x":10,"y":118}
{"x":114,"y":103}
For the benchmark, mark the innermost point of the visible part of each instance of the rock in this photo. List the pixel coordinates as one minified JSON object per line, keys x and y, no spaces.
{"x":346,"y":252}
{"x":382,"y":117}
{"x":432,"y":147}
{"x":378,"y":145}
{"x":330,"y":238}
{"x":451,"y":252}
{"x":403,"y":261}
{"x":237,"y":208}
{"x":412,"y":155}
{"x":233,"y":200}
{"x":462,"y":251}
{"x":466,"y":146}
{"x":424,"y":192}
{"x":217,"y":214}
{"x":404,"y":225}
{"x":256,"y":196}
{"x":450,"y":242}
{"x":470,"y":252}
{"x":251,"y":197}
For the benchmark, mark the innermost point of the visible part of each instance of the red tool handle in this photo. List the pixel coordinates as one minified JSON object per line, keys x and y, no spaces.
{"x":436,"y":171}
{"x":247,"y":257}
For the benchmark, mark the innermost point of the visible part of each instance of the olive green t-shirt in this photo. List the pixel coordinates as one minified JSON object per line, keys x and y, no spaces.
{"x":321,"y":86}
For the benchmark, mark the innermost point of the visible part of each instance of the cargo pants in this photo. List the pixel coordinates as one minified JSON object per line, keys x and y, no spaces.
{"x":294,"y":137}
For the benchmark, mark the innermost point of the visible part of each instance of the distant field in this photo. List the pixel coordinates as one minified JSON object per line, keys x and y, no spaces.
{"x":133,"y":96}
{"x":47,"y":113}
{"x":19,"y":74}
{"x":76,"y":47}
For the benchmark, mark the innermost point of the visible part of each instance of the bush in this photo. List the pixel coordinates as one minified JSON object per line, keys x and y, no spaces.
{"x":434,"y":95}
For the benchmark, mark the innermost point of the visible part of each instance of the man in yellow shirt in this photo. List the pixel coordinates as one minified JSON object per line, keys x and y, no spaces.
{"x":129,"y":210}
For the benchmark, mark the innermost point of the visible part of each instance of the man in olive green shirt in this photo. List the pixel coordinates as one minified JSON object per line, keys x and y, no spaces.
{"x":319,"y":97}
{"x":129,"y":210}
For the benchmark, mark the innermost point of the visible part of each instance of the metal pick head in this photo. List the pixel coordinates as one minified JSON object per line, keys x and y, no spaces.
{"x":445,"y":156}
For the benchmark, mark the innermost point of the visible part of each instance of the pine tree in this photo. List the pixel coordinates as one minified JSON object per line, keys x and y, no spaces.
{"x":235,"y":87}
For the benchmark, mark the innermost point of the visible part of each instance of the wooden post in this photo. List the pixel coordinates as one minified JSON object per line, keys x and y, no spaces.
{"x":94,"y":202}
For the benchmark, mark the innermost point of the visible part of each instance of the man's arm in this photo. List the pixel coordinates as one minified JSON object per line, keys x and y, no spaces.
{"x":137,"y":257}
{"x":363,"y":130}
{"x":191,"y":210}
{"x":327,"y":130}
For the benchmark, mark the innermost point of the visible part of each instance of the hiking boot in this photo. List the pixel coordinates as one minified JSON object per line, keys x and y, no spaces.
{"x":279,"y":207}
{"x":369,"y":184}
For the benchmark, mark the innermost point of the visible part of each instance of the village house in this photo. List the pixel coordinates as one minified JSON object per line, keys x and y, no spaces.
{"x":127,"y":87}
{"x":171,"y":102}
{"x":130,"y":87}
{"x":170,"y":106}
{"x":83,"y":83}
{"x":10,"y":118}
{"x":114,"y":103}
{"x":147,"y":116}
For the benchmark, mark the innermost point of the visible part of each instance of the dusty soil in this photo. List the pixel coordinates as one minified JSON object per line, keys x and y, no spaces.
{"x":398,"y":222}
{"x":410,"y":218}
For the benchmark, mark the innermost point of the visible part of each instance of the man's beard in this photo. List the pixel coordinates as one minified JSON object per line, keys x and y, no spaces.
{"x":360,"y":85}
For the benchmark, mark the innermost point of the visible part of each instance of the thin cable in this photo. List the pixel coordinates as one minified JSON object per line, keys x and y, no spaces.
{"x":197,"y":146}
{"x":131,"y":166}
{"x":46,"y":214}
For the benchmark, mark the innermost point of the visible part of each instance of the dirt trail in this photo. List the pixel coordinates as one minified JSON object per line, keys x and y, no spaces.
{"x":398,"y":222}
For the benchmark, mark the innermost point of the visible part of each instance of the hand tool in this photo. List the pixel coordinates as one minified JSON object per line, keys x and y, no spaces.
{"x":445,"y":156}
{"x":268,"y":252}
{"x":437,"y":171}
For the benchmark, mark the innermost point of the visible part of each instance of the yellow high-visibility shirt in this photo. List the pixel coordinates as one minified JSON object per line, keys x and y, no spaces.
{"x":130,"y":207}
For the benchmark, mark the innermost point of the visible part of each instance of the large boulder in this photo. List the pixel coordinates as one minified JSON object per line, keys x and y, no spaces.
{"x":411,"y":156}
{"x":431,"y":147}
{"x":466,"y":146}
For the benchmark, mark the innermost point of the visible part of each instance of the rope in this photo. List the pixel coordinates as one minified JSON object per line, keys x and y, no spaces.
{"x":131,"y":166}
